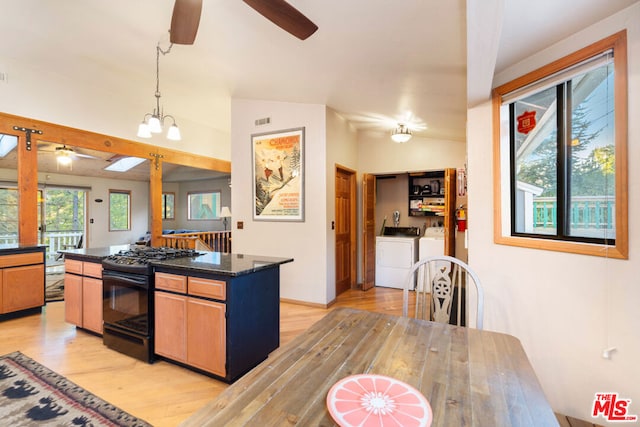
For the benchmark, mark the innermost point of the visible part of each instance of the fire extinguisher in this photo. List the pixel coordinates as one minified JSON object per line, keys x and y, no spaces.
{"x":461,"y":218}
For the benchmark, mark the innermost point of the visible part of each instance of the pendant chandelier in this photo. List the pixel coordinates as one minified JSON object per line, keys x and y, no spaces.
{"x":153,"y":122}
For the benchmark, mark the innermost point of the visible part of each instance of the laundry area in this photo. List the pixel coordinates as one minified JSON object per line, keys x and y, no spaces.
{"x":416,"y":216}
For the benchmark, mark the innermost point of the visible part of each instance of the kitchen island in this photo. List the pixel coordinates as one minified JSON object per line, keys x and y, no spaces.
{"x":218,"y":313}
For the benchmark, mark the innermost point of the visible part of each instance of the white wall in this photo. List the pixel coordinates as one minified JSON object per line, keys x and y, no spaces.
{"x":342,"y":150}
{"x":564,"y":308}
{"x":377,"y":154}
{"x":306,"y":278}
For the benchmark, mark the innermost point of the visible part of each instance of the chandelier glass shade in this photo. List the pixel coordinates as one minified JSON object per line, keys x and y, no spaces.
{"x":401,"y":134}
{"x":154,"y":122}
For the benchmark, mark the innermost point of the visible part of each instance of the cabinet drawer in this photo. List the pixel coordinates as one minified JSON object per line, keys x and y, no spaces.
{"x":208,"y":288}
{"x":171,"y":282}
{"x":72,"y":266}
{"x":21,"y":259}
{"x":92,"y":269}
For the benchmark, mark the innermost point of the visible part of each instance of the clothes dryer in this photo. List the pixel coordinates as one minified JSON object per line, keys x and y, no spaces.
{"x":394,"y":258}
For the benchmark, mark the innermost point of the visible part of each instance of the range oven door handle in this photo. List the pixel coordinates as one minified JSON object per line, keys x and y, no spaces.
{"x":139,"y":281}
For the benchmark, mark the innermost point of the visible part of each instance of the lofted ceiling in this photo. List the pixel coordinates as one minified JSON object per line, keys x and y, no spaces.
{"x":376,"y":62}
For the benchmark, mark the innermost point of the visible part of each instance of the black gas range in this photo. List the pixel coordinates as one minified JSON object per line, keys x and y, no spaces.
{"x":128,"y":309}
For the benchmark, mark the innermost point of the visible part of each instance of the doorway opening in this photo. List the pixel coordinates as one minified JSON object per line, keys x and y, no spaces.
{"x":62,"y":218}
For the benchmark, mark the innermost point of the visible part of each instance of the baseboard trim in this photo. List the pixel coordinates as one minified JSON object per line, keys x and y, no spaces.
{"x":307,"y":304}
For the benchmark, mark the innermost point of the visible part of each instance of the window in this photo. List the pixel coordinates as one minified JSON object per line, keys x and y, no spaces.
{"x":203,"y":205}
{"x":119,"y":210}
{"x":168,"y":205}
{"x":8,"y":215}
{"x":560,"y":144}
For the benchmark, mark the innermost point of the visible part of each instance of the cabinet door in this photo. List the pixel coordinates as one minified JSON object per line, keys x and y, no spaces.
{"x":92,"y":304}
{"x":206,"y":335}
{"x":22,"y":287}
{"x":450,"y":212}
{"x":170,"y":326}
{"x":73,"y":299}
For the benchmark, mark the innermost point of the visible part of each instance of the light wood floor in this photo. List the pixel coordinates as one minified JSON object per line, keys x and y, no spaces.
{"x":162,"y":393}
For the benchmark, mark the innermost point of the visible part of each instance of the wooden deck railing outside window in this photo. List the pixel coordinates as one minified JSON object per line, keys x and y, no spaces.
{"x":217,"y":241}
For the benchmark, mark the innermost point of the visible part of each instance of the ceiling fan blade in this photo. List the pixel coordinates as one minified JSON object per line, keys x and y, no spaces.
{"x":185,"y":21}
{"x":86,"y":156}
{"x":284,"y":16}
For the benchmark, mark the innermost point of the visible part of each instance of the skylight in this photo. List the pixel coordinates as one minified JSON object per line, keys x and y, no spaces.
{"x":124,"y":164}
{"x":7,"y":143}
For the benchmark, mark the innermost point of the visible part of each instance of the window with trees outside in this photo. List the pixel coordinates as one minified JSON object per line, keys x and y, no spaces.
{"x":119,"y":210}
{"x":561,"y":141}
{"x":8,"y":215}
{"x":203,"y":205}
{"x":168,"y":205}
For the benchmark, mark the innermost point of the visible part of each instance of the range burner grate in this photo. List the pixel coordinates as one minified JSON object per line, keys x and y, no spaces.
{"x":143,"y":256}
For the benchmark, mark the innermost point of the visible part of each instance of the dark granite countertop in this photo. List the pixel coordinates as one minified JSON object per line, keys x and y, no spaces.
{"x":94,"y":254}
{"x":16,"y":248}
{"x":222,"y":263}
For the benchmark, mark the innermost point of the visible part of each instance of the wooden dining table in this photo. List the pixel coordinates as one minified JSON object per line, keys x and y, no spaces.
{"x":469,"y":377}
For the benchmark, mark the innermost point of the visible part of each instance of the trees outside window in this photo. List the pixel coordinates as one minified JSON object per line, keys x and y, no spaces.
{"x":119,"y":210}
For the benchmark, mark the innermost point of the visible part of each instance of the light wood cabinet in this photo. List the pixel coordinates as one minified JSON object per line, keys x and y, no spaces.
{"x":83,"y":294}
{"x":188,"y":328}
{"x":170,"y":326}
{"x":221,"y":324}
{"x":92,"y":304}
{"x":73,"y":299}
{"x":21,"y":280}
{"x":206,"y":338}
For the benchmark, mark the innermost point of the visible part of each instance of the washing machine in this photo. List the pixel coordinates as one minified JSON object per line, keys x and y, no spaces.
{"x":431,"y":243}
{"x":395,"y":255}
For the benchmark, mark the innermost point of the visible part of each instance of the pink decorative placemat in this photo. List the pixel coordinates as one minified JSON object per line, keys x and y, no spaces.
{"x":376,"y":400}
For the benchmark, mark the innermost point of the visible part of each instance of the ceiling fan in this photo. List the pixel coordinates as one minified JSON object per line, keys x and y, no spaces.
{"x":186,"y":18}
{"x":64,"y":154}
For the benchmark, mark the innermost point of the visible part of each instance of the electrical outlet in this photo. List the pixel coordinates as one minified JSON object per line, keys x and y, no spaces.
{"x":240,"y":225}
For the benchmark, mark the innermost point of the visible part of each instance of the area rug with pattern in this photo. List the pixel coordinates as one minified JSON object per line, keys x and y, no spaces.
{"x":33,"y":395}
{"x":54,"y":287}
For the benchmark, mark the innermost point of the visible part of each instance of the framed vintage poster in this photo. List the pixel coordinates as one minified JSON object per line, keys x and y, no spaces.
{"x":278,"y":175}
